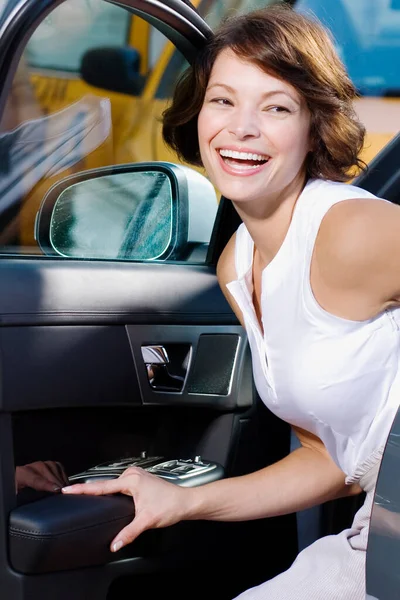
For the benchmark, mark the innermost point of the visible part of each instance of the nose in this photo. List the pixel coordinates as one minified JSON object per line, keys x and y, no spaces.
{"x":244,"y":123}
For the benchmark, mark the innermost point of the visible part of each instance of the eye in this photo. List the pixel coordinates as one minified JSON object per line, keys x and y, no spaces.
{"x":277,"y":109}
{"x":221,"y":101}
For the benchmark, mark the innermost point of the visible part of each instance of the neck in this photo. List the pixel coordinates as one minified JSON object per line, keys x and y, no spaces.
{"x":268,"y":221}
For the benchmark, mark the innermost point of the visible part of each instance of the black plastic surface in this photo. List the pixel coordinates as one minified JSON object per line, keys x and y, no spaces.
{"x":99,"y":292}
{"x":66,"y":366}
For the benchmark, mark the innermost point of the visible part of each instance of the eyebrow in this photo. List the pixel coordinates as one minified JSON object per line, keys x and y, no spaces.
{"x":264,"y":96}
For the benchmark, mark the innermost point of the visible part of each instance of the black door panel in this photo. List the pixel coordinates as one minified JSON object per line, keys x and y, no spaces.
{"x":91,"y":365}
{"x":43,"y":291}
{"x":75,"y":389}
{"x":66,"y":366}
{"x":71,"y":366}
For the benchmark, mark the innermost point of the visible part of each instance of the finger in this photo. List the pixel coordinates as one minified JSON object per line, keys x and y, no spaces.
{"x":63,"y":473}
{"x":41,"y":484}
{"x":99,"y":488}
{"x":37,"y":479}
{"x":58,"y":472}
{"x":48,"y":471}
{"x":129,"y":534}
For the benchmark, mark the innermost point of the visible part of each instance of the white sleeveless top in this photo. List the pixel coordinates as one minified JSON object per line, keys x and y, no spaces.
{"x":334,"y":377}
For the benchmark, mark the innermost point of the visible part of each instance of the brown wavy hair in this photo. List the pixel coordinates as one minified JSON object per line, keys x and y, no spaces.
{"x":297,"y":49}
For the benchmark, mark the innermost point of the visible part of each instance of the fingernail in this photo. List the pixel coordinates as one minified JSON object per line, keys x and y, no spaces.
{"x":66,"y":490}
{"x":117,"y":546}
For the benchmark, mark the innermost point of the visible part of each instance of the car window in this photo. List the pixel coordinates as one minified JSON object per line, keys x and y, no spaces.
{"x":94,"y":80}
{"x":383,"y":554}
{"x":84,"y":25}
{"x":87,"y":96}
{"x":214,"y":12}
{"x":367,"y":36}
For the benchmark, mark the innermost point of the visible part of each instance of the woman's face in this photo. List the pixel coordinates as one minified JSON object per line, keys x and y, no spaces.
{"x":254,"y":131}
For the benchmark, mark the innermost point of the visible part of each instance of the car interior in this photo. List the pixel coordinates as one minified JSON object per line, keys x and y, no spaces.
{"x":107,"y":363}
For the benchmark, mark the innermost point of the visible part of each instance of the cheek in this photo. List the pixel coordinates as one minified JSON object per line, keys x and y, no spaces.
{"x":294,"y":140}
{"x":206,"y":124}
{"x":207,"y":129}
{"x":202,"y":132}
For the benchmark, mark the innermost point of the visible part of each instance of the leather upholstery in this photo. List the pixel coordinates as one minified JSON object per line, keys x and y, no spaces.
{"x":66,"y":532}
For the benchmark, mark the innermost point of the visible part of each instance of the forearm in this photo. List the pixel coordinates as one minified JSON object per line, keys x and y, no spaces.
{"x":303,"y":479}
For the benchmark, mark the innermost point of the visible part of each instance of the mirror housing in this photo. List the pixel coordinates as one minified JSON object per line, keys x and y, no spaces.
{"x":114,"y":69}
{"x":141,"y":211}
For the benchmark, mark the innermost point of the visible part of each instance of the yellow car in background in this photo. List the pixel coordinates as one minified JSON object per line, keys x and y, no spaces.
{"x":367,"y":33}
{"x":94,"y":80}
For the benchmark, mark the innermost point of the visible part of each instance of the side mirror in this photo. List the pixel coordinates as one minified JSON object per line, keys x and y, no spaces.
{"x":141,"y":211}
{"x":113,"y":69}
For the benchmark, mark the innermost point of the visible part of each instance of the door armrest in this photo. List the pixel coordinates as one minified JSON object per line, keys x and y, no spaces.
{"x":63,"y":532}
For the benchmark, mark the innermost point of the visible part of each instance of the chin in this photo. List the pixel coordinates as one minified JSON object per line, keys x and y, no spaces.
{"x":244,"y":192}
{"x":240,"y":199}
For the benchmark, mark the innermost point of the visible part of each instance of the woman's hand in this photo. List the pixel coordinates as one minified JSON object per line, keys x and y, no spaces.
{"x":158,"y":503}
{"x":44,"y":476}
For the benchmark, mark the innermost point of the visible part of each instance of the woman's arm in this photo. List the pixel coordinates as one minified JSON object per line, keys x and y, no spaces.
{"x":306,"y":477}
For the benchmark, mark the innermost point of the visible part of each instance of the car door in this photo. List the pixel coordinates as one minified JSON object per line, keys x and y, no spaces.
{"x":383,"y":582}
{"x":383,"y":552}
{"x":109,"y":357}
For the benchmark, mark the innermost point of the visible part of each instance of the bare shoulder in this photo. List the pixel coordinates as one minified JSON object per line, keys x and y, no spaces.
{"x":226,"y":272}
{"x":360,"y":213}
{"x":358,"y":246}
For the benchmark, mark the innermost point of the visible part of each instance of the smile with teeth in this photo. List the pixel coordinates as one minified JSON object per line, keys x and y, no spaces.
{"x":243,"y":160}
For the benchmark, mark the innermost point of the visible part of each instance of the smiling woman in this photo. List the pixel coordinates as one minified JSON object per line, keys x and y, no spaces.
{"x":267,"y":109}
{"x":309,"y":76}
{"x":249,"y":123}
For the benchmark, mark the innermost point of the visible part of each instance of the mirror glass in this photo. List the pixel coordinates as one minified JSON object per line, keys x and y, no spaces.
{"x":118,"y":216}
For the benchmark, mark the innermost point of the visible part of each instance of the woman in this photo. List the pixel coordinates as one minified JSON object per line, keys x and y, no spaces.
{"x":311,"y":274}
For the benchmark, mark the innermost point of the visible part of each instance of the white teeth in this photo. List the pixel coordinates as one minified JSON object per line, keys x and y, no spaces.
{"x":242,"y":155}
{"x":241,"y":167}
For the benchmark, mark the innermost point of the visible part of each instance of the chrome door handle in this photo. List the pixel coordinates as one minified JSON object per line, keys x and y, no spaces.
{"x":156,"y":360}
{"x":155,"y":355}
